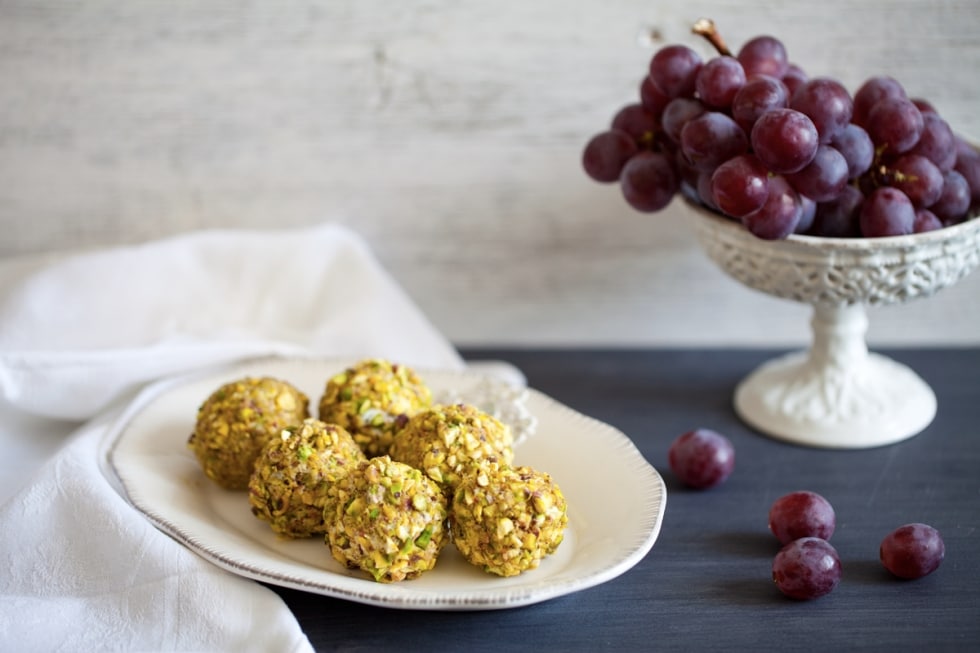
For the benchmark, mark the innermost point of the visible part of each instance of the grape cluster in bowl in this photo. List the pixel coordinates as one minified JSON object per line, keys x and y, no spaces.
{"x":751,"y":136}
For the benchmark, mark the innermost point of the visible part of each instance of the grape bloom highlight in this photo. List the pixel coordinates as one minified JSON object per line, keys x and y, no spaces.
{"x":750,"y":136}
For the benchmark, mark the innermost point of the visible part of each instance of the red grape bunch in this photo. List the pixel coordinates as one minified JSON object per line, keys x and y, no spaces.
{"x":751,"y":136}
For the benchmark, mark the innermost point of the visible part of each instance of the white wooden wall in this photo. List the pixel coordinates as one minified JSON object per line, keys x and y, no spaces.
{"x":448,"y":133}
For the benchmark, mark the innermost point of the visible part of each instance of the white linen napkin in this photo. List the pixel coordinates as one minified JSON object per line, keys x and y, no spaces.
{"x":83,"y":570}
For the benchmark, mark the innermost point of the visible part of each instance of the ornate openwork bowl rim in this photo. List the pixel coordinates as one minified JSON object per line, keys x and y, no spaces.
{"x":915,"y":246}
{"x":839,"y":271}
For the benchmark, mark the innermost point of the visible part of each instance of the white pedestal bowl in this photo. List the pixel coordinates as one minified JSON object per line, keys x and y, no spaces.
{"x":837,"y":394}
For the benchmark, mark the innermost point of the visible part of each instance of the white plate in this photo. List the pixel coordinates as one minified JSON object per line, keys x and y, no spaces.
{"x":615,"y":499}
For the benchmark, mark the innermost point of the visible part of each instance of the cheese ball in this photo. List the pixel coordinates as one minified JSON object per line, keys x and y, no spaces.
{"x":236,"y":421}
{"x":446,"y":441}
{"x":506,"y":520}
{"x":389,"y":521}
{"x":372,"y":400}
{"x":296,"y":474}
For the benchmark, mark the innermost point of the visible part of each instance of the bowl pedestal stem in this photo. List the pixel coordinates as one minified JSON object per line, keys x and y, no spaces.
{"x":838,"y":394}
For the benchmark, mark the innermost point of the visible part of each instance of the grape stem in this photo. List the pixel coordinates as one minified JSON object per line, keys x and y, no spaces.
{"x":706,"y":27}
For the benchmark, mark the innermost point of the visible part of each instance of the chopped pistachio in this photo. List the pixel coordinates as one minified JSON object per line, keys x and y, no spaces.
{"x":496,"y":528}
{"x":372,"y":399}
{"x":382,"y":540}
{"x":237,"y":420}
{"x":446,"y":441}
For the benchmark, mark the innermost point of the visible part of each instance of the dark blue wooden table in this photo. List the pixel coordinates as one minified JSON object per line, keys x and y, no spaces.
{"x":706,"y":584}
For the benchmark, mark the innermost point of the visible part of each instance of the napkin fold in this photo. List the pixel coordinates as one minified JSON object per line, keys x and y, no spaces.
{"x":83,"y":570}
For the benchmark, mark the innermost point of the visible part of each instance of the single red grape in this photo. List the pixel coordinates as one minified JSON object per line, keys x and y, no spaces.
{"x":801,"y":514}
{"x":855,"y":145}
{"x":873,"y":90}
{"x":606,"y":154}
{"x":827,"y":103}
{"x":673,"y":70}
{"x":925,"y":220}
{"x":895,"y":124}
{"x":918,"y":178}
{"x":764,"y":55}
{"x":718,"y":81}
{"x":639,"y":122}
{"x":785,"y":140}
{"x":649,"y":181}
{"x":840,"y":217}
{"x":968,"y":165}
{"x":807,"y":568}
{"x":936,"y":142}
{"x":912,"y":551}
{"x":702,"y":458}
{"x":824,"y":177}
{"x":740,"y":186}
{"x":887,"y":212}
{"x":759,"y":94}
{"x":711,"y":139}
{"x":954,"y":200}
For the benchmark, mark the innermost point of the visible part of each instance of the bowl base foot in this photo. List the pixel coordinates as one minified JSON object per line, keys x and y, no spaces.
{"x":798,"y":399}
